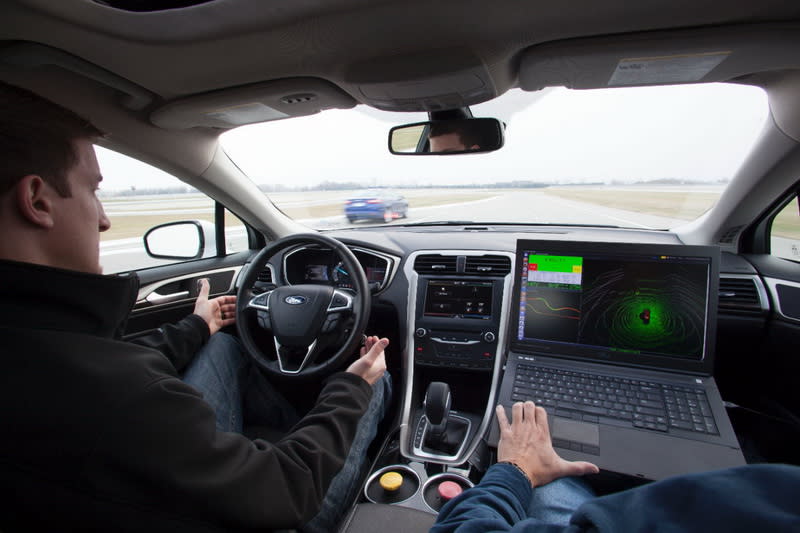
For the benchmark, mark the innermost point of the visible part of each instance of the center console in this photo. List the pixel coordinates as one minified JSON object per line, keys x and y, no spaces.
{"x":457,"y":323}
{"x":457,"y":305}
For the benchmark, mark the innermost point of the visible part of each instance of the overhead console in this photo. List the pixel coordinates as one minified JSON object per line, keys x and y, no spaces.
{"x":463,"y":80}
{"x":457,"y":301}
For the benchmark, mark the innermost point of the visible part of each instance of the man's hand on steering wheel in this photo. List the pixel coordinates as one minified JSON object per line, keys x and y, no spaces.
{"x":372,"y":363}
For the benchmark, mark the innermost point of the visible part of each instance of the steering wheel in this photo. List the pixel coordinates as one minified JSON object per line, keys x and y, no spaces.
{"x":298,"y":316}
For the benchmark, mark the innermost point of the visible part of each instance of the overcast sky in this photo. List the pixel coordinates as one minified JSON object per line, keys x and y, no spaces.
{"x":691,"y":132}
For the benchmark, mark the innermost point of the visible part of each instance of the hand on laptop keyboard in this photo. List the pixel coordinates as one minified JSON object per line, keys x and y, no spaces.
{"x":525,"y":442}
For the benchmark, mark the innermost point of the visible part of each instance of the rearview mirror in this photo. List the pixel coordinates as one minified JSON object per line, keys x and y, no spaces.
{"x":444,"y":137}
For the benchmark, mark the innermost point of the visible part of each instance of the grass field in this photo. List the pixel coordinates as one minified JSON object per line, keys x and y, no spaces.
{"x":136,"y":226}
{"x":683,"y":205}
{"x":787,"y":223}
{"x":672,"y":204}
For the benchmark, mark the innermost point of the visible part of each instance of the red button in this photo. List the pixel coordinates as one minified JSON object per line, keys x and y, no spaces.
{"x":449,"y":490}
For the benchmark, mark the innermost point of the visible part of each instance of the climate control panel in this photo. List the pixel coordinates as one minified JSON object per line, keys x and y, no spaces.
{"x":455,"y":349}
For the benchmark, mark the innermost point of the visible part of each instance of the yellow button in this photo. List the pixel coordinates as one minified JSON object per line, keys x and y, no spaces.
{"x":391,"y":481}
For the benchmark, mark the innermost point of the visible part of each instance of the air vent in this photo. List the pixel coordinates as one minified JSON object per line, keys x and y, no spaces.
{"x":436,"y":264}
{"x":265,"y":276}
{"x":739,"y":296}
{"x":299,"y":98}
{"x":488,"y":265}
{"x":729,"y":236}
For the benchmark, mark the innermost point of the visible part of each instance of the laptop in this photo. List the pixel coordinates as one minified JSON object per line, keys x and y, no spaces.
{"x":616,"y":342}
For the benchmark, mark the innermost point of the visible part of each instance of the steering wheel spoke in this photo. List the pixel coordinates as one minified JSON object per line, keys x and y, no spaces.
{"x":260,"y":304}
{"x":259,"y":301}
{"x":293,"y":361}
{"x":340,"y":301}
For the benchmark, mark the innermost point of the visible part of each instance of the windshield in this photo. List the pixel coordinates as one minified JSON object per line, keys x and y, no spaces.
{"x":649,"y":157}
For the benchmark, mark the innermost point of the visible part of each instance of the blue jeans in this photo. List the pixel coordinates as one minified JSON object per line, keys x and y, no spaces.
{"x":555,"y":502}
{"x":237,"y":390}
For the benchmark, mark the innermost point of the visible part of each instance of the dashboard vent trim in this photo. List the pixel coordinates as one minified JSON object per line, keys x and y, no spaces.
{"x":740,"y":296}
{"x":265,"y":276}
{"x":487,"y":265}
{"x":436,"y":264}
{"x":730,"y":235}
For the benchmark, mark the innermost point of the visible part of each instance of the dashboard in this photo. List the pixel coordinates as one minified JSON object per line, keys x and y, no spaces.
{"x":445,"y":299}
{"x":383,"y":252}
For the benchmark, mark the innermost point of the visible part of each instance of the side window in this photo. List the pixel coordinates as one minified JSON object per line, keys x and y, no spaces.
{"x":136,"y":197}
{"x":236,"y":239}
{"x":785,"y":232}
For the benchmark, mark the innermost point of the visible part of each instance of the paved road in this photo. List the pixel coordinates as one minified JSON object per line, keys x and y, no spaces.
{"x":524,"y":207}
{"x":540,"y":208}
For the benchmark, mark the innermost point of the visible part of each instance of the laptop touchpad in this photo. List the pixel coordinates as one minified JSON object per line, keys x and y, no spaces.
{"x":566,"y":429}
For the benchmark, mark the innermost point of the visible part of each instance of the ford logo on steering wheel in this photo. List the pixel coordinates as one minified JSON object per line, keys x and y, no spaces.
{"x":295,"y":300}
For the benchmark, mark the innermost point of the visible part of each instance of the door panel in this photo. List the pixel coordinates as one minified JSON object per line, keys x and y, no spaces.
{"x":777,"y":361}
{"x":179,"y":281}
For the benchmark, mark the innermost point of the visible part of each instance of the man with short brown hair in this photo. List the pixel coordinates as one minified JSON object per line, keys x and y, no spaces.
{"x":102,"y":434}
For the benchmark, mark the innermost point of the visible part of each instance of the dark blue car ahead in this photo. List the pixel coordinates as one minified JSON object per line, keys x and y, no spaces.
{"x":379,"y":205}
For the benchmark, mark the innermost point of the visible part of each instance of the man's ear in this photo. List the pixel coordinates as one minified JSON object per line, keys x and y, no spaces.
{"x":34,"y":200}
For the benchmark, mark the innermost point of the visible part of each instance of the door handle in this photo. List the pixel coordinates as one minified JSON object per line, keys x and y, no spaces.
{"x":156,"y":299}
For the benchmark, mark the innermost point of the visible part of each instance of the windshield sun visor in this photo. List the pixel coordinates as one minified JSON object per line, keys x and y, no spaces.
{"x":660,"y":58}
{"x":251,"y":104}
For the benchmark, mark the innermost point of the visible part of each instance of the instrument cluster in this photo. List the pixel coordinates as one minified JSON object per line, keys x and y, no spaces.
{"x":312,"y":264}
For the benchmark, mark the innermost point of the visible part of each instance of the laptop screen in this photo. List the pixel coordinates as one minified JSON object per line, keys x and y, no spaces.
{"x":635,"y":303}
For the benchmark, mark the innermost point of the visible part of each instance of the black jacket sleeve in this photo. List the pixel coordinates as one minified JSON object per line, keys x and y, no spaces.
{"x":226,"y":478}
{"x":178,"y":342}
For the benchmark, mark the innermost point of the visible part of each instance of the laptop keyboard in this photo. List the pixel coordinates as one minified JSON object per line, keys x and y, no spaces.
{"x":589,"y":397}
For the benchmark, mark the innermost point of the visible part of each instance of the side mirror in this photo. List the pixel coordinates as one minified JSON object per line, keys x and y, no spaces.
{"x":189,"y":239}
{"x":445,"y":137}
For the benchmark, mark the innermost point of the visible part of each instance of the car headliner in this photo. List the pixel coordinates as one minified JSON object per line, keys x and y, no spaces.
{"x":227,"y":43}
{"x":127,"y":71}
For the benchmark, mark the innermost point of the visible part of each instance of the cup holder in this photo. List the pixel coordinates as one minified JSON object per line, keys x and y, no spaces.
{"x":441,"y":488}
{"x":392,"y":484}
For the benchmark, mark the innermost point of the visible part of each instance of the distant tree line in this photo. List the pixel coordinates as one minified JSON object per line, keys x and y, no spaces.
{"x":352,"y":185}
{"x":135,"y":191}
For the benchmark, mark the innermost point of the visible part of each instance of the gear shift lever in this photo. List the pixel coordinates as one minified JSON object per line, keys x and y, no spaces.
{"x":445,"y":432}
{"x":437,"y":409}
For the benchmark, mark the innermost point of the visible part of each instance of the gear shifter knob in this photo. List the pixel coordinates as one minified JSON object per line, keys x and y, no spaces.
{"x":437,"y":403}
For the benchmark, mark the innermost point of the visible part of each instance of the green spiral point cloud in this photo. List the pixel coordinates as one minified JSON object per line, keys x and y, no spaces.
{"x":652,"y":320}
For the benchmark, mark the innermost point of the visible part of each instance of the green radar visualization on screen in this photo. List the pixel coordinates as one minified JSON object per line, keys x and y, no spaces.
{"x":653,"y":304}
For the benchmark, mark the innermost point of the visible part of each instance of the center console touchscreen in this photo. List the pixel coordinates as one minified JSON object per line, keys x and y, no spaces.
{"x":459,"y":299}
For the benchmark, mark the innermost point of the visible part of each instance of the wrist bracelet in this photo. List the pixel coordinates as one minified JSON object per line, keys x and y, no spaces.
{"x":521,"y":471}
